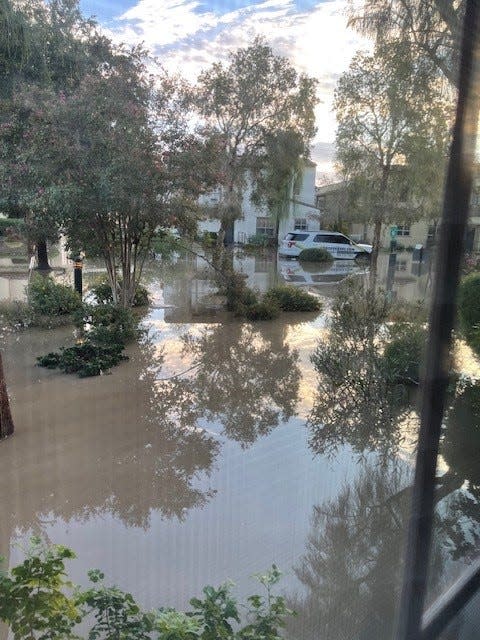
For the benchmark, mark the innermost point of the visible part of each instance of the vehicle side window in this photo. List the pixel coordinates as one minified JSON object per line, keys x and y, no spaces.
{"x":343,"y":240}
{"x":331,"y":239}
{"x":321,"y":238}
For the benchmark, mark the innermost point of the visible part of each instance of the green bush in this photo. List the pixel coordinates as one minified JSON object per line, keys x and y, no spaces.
{"x":17,"y":225}
{"x":102,"y":292}
{"x":315,"y":255}
{"x":403,"y":354}
{"x":263,"y":310}
{"x":86,"y":358}
{"x":38,"y":601}
{"x":238,"y":294}
{"x":47,"y":297}
{"x":469,"y":309}
{"x":289,"y":298}
{"x":107,"y":323}
{"x":107,"y":328}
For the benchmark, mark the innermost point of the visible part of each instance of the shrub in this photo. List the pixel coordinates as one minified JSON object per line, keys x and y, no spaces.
{"x":290,"y":298}
{"x":403,"y":354}
{"x":469,"y":309}
{"x":16,"y":314}
{"x":107,"y":323}
{"x":259,"y":240}
{"x":237,"y":293}
{"x":263,"y":310}
{"x":12,"y":225}
{"x":102,"y":292}
{"x":38,"y":601}
{"x":107,"y":329}
{"x":315,"y":255}
{"x":47,"y":297}
{"x":86,"y":358}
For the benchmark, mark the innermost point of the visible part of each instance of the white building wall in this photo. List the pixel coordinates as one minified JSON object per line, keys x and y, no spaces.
{"x":246,"y":226}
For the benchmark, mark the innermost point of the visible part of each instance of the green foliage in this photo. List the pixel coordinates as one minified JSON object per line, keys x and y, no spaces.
{"x":47,"y":297}
{"x":469,"y":309}
{"x":8,"y":225}
{"x":85,"y":358}
{"x":33,"y":601}
{"x":108,"y":323}
{"x":16,"y":314}
{"x":218,"y":610}
{"x":238,"y":295}
{"x":102,"y":292}
{"x":315,"y":255}
{"x":403,"y":353}
{"x":116,"y":613}
{"x":263,"y":310}
{"x":260,"y":240}
{"x":107,"y":328}
{"x":289,"y":298}
{"x":176,"y":625}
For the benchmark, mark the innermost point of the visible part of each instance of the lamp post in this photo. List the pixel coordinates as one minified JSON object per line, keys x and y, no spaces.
{"x":77,"y":274}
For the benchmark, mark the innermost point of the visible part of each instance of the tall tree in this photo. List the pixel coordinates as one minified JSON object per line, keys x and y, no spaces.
{"x":391,"y":138}
{"x":431,"y":28}
{"x":6,"y":420}
{"x":49,"y":47}
{"x":279,"y":171}
{"x":245,"y":103}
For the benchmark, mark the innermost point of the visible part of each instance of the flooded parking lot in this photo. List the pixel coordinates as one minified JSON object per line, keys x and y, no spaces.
{"x":198,"y":460}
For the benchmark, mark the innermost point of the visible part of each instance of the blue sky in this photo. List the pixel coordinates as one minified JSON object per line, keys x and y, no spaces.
{"x":188,"y":35}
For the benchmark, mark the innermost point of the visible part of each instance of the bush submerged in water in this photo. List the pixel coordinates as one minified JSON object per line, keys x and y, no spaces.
{"x":263,"y":310}
{"x":290,"y":298}
{"x":102,"y":291}
{"x":107,"y":329}
{"x":403,"y":354}
{"x":315,"y":255}
{"x":49,"y":298}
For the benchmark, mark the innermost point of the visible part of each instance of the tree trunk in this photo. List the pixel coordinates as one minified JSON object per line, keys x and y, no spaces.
{"x":6,"y":420}
{"x":42,"y":256}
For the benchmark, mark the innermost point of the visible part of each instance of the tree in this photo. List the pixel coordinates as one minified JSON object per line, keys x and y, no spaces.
{"x":45,"y":47}
{"x":247,"y":103}
{"x":391,"y":139}
{"x":431,"y":28}
{"x":6,"y":420}
{"x":280,"y":170}
{"x":113,"y":161}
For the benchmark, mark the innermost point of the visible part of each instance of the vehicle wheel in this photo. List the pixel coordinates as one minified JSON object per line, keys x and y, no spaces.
{"x":363,"y":258}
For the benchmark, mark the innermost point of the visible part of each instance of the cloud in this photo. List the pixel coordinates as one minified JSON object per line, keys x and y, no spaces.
{"x":188,"y":35}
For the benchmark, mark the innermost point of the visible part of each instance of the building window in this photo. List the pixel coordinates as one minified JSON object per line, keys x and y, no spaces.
{"x":300,"y":224}
{"x":403,"y":230}
{"x":265,"y":227}
{"x":321,"y":203}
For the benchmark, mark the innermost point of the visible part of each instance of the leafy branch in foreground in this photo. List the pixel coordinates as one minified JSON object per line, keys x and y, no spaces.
{"x":38,"y":602}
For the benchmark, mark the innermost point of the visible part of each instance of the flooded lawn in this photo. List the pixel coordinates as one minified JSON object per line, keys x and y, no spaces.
{"x":194,"y":461}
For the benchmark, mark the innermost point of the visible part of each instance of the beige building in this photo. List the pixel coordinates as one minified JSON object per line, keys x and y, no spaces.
{"x":332,"y":202}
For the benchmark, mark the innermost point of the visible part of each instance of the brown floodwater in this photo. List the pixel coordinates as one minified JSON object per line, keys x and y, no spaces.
{"x":193,"y":462}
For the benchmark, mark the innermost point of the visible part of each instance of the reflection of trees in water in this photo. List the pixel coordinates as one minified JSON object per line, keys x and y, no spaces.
{"x":351,"y":570}
{"x":125,"y":457}
{"x":242,"y":376}
{"x":356,"y":404}
{"x":460,"y":448}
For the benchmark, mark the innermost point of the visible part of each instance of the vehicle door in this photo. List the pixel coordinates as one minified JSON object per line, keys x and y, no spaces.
{"x":345,"y":247}
{"x":323,"y":241}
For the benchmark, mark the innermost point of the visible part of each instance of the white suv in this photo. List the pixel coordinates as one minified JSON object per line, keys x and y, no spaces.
{"x":339,"y":246}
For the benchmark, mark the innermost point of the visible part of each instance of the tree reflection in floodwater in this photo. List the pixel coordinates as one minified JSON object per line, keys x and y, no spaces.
{"x":350,"y":572}
{"x":125,"y":457}
{"x":245,"y":378}
{"x":357,"y":402}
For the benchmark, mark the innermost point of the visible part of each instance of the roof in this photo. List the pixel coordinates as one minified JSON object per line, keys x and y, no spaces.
{"x":330,"y":188}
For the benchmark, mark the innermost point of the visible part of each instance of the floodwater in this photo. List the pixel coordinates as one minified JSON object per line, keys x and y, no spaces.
{"x":198,"y":460}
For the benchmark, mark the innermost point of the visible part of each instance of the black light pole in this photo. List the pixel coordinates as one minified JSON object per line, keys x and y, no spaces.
{"x":77,"y":275}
